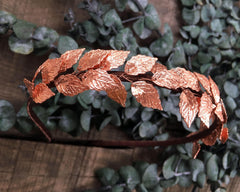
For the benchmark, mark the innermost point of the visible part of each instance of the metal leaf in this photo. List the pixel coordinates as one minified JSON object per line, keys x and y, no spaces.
{"x":69,"y":58}
{"x":205,"y":109}
{"x":188,"y":106}
{"x":100,"y":80}
{"x":189,"y":79}
{"x":157,"y":67}
{"x":146,"y":94}
{"x":168,"y":79}
{"x":214,"y":90}
{"x":139,"y":64}
{"x":224,"y":135}
{"x":69,"y":85}
{"x":219,"y":112}
{"x":40,"y":93}
{"x":204,"y":82}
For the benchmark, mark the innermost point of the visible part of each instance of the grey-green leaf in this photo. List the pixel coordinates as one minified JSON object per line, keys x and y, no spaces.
{"x":190,"y":49}
{"x":163,"y":46}
{"x":147,"y":129}
{"x":20,"y":46}
{"x":231,"y":89}
{"x":168,"y":167}
{"x":85,"y":119}
{"x":23,"y":29}
{"x":91,"y":31}
{"x":121,"y":4}
{"x":151,"y":19}
{"x":212,"y":168}
{"x":196,"y":167}
{"x":66,"y":43}
{"x":7,"y":115}
{"x":150,"y":177}
{"x":194,"y":30}
{"x":216,"y":25}
{"x":107,"y":176}
{"x":7,"y":18}
{"x":191,"y":16}
{"x":112,"y":19}
{"x":188,"y":3}
{"x":130,"y":176}
{"x":68,"y":121}
{"x":177,"y":58}
{"x":140,"y":29}
{"x":201,"y":179}
{"x":208,"y":12}
{"x":231,"y":104}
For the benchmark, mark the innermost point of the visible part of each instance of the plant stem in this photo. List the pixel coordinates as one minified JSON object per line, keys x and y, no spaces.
{"x":132,"y":19}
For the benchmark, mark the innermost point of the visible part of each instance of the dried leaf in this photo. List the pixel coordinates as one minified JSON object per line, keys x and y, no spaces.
{"x":205,"y":109}
{"x":188,"y":106}
{"x":40,"y":93}
{"x":214,"y":90}
{"x":146,"y":94}
{"x":168,"y":79}
{"x":93,"y":59}
{"x":224,"y":135}
{"x":195,"y":149}
{"x":69,"y":85}
{"x":189,"y":80}
{"x":69,"y":58}
{"x":139,"y":64}
{"x":29,"y":85}
{"x":157,"y":67}
{"x":204,"y":82}
{"x":100,"y":80}
{"x":115,"y":59}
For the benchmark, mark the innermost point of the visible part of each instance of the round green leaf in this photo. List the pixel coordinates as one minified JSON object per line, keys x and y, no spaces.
{"x":66,"y":43}
{"x":201,"y":179}
{"x":217,"y":3}
{"x":177,"y":58}
{"x":145,"y":51}
{"x":132,"y":5}
{"x":111,"y":18}
{"x":147,"y":129}
{"x":146,"y":114}
{"x":194,"y":30}
{"x":235,"y":24}
{"x":188,"y":3}
{"x":231,"y":89}
{"x":116,"y":120}
{"x":204,"y":58}
{"x":163,"y":46}
{"x":85,"y":119}
{"x":231,"y":104}
{"x":107,"y":176}
{"x":196,"y":167}
{"x":150,"y":177}
{"x":191,"y":16}
{"x":168,"y":167}
{"x":141,"y":166}
{"x":190,"y":49}
{"x":7,"y":18}
{"x":216,"y":25}
{"x":151,"y":18}
{"x":23,"y":29}
{"x":68,"y":121}
{"x":208,"y":12}
{"x":130,"y":176}
{"x":141,"y":188}
{"x":105,"y":122}
{"x":7,"y":115}
{"x":212,"y":168}
{"x":169,"y":182}
{"x":16,"y":45}
{"x":140,"y":30}
{"x":121,"y":4}
{"x":91,"y":31}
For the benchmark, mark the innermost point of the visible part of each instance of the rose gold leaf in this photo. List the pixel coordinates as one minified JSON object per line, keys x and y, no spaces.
{"x":115,"y":59}
{"x":92,"y":59}
{"x":69,"y":85}
{"x":224,"y":135}
{"x":195,"y":150}
{"x":219,"y":112}
{"x":146,"y":94}
{"x":225,"y":117}
{"x":49,"y":69}
{"x":118,"y":92}
{"x":188,"y":106}
{"x":204,"y":82}
{"x":205,"y":109}
{"x":29,"y":85}
{"x":168,"y":79}
{"x":211,"y":139}
{"x":157,"y":67}
{"x":69,"y":58}
{"x":139,"y":64}
{"x":214,"y":90}
{"x":41,"y":93}
{"x":189,"y":80}
{"x":100,"y":80}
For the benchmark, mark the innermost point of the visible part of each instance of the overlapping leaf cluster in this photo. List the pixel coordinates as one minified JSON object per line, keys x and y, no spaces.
{"x":210,"y":45}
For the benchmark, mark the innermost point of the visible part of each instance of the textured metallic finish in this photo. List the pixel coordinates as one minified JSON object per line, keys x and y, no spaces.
{"x":219,"y":112}
{"x":139,"y":64}
{"x":100,"y":80}
{"x":157,"y":67}
{"x":188,"y":106}
{"x":211,"y":139}
{"x":204,"y":82}
{"x":195,"y":149}
{"x":205,"y":109}
{"x":214,"y":90}
{"x":69,"y":85}
{"x":224,"y":135}
{"x":146,"y":94}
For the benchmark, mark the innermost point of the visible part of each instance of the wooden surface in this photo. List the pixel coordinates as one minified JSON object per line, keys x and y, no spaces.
{"x":40,"y":167}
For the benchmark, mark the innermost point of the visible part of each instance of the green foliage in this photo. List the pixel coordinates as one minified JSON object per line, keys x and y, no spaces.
{"x":7,"y":115}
